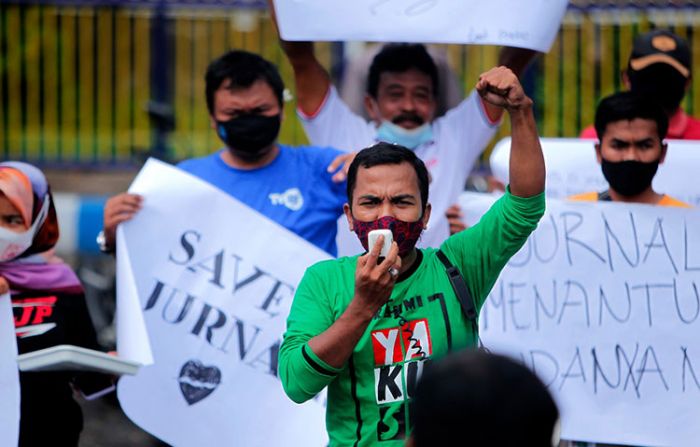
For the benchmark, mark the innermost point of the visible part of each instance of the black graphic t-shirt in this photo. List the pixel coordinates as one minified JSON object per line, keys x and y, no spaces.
{"x":49,"y":415}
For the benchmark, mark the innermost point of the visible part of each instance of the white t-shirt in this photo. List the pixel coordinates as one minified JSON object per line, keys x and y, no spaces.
{"x":458,"y":138}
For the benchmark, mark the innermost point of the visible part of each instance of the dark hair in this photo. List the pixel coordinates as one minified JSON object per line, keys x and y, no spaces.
{"x":399,"y":58}
{"x":243,"y":69}
{"x":626,"y":106}
{"x":388,"y":154}
{"x":485,"y":398}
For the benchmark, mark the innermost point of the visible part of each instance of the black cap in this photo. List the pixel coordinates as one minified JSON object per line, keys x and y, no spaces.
{"x":660,"y":47}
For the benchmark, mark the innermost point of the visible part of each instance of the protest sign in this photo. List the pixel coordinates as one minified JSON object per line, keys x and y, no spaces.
{"x":572,"y":168}
{"x":215,"y":282}
{"x":603,"y":303}
{"x":9,"y":375}
{"x":532,"y":24}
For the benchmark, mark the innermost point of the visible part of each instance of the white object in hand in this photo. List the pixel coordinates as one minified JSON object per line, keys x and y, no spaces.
{"x":388,"y":239}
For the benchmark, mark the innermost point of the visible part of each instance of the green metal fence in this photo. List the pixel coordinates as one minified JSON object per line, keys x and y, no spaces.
{"x":75,"y":81}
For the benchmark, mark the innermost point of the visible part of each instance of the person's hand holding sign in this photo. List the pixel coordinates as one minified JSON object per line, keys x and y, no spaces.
{"x":118,"y":209}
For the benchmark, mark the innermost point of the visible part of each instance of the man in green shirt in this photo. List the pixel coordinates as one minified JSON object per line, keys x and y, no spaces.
{"x":365,"y":326}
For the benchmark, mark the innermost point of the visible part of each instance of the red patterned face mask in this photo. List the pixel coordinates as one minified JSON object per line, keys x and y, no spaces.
{"x":405,"y":234}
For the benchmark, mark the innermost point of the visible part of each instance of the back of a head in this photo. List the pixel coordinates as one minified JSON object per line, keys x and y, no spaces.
{"x":399,"y":58}
{"x":243,"y":69}
{"x":627,"y":106}
{"x":480,"y":399}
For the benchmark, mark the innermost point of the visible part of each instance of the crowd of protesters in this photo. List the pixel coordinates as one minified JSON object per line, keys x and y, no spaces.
{"x":399,"y":167}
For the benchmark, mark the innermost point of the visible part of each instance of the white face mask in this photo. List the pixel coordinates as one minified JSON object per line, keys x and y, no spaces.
{"x":410,"y":138}
{"x":14,"y":244}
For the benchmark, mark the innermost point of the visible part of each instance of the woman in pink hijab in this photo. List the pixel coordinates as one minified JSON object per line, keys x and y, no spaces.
{"x":48,"y":304}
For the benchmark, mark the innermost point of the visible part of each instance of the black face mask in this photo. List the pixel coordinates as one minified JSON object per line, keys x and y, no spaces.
{"x":249,"y":136}
{"x":661,"y":83}
{"x":630,"y":177}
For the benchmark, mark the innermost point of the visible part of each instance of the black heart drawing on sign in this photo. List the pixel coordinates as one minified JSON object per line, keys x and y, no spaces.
{"x":198,"y":381}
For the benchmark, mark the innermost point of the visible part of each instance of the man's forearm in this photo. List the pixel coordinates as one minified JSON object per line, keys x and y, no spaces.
{"x":527,"y":169}
{"x":300,"y":54}
{"x":311,"y":79}
{"x":336,"y":344}
{"x":517,"y":59}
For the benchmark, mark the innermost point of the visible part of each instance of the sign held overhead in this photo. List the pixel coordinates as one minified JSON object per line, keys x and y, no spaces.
{"x":532,"y":24}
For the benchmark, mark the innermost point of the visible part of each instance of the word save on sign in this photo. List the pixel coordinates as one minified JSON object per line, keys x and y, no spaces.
{"x":214,"y":295}
{"x":532,"y":24}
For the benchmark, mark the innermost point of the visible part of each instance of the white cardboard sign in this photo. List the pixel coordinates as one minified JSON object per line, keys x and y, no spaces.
{"x":215,"y":282}
{"x":603,"y":303}
{"x":9,"y":375}
{"x":527,"y":24}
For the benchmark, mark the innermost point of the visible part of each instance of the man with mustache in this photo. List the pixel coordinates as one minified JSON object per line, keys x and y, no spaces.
{"x":365,"y":327}
{"x":352,"y":84}
{"x":401,"y":102}
{"x":659,"y":69}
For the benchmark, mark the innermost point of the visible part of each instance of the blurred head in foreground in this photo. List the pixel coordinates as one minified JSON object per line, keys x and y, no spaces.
{"x":475,"y":398}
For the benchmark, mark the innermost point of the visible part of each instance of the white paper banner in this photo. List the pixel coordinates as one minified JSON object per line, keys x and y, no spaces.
{"x":215,"y":280}
{"x":132,"y":335}
{"x":9,"y":375}
{"x":603,"y":302}
{"x":572,"y":168}
{"x":526,"y":24}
